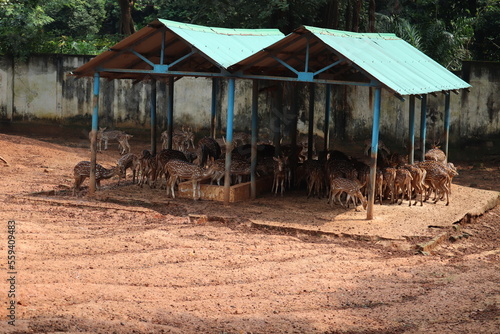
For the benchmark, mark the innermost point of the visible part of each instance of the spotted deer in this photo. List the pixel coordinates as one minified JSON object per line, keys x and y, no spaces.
{"x":435,"y":154}
{"x":389,"y":177}
{"x":351,"y":187}
{"x":280,"y":174}
{"x":207,"y":148}
{"x":315,"y":177}
{"x":241,"y":138}
{"x":342,"y":169}
{"x":129,"y":160}
{"x":162,"y":158}
{"x":189,"y":138}
{"x":381,"y":147}
{"x":182,"y":139}
{"x":182,"y":170}
{"x":402,"y":183}
{"x":120,"y":136}
{"x":82,"y":170}
{"x":438,"y":179}
{"x":147,"y":166}
{"x":123,"y":144}
{"x":417,"y":182}
{"x":218,"y":168}
{"x":379,"y":185}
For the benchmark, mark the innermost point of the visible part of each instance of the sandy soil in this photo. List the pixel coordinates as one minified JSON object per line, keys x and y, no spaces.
{"x":132,"y":261}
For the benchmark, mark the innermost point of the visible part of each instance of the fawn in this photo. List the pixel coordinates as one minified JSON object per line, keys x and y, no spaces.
{"x":82,"y":171}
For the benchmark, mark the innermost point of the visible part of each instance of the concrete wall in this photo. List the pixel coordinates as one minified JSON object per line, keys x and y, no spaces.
{"x":41,"y":88}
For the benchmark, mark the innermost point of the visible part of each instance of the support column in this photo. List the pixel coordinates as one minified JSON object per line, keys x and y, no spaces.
{"x":215,"y":86}
{"x":153,"y":116}
{"x":93,"y":135}
{"x":310,"y":136}
{"x":446,"y":123}
{"x":326,"y":130}
{"x":277,"y":114}
{"x":229,"y":139}
{"x":374,"y":150}
{"x":423,"y":125}
{"x":170,"y":111}
{"x":255,"y":119}
{"x":411,"y":135}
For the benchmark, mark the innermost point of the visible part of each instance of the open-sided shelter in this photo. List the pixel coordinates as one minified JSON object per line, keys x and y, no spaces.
{"x":309,"y":54}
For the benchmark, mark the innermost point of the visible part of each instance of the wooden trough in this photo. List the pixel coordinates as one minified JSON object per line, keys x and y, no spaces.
{"x":237,"y":193}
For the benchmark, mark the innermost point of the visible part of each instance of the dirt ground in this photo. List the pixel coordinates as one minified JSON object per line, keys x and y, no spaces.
{"x":132,"y":261}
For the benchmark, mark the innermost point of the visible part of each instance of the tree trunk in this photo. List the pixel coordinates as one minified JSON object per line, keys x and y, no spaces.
{"x":355,"y":15}
{"x":332,"y":14}
{"x":126,"y":22}
{"x":348,"y":16}
{"x":371,"y":16}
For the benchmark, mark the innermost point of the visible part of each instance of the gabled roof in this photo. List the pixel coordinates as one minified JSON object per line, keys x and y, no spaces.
{"x":187,"y":48}
{"x":308,"y":54}
{"x":359,"y":58}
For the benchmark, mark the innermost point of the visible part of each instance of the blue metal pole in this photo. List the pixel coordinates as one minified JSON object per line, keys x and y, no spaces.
{"x":411,"y":126}
{"x":93,"y":135}
{"x":423,"y":124}
{"x":215,"y":85}
{"x":229,"y":139}
{"x":153,"y":116}
{"x":170,"y":111}
{"x":374,"y":150}
{"x":326,"y":130}
{"x":255,"y":119}
{"x":446,"y":123}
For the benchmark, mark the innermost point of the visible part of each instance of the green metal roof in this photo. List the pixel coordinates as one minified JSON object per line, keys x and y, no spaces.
{"x":187,"y":49}
{"x":308,"y":54}
{"x":395,"y":63}
{"x":224,"y":46}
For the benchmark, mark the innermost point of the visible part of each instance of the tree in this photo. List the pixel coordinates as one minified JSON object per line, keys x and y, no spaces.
{"x":487,"y":38}
{"x":127,"y":26}
{"x":75,"y":18}
{"x":21,"y":27}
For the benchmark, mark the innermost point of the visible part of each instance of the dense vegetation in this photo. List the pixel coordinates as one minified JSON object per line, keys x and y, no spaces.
{"x":447,"y":30}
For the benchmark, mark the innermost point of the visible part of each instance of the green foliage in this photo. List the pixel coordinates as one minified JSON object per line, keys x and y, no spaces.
{"x":21,"y":27}
{"x":76,"y":18}
{"x":486,"y":33}
{"x":282,"y":14}
{"x":401,"y":27}
{"x":92,"y":45}
{"x":447,"y":30}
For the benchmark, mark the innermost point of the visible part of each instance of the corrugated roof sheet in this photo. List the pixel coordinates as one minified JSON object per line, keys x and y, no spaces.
{"x":391,"y":60}
{"x":214,"y":48}
{"x":363,"y":57}
{"x":224,"y":46}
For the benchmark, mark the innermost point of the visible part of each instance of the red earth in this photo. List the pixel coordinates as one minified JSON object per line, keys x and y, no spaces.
{"x":130,"y":260}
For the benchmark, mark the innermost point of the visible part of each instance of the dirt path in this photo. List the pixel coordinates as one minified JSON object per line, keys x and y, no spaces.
{"x":109,"y":266}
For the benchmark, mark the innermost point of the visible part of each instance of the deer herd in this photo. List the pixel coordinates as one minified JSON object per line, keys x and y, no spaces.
{"x":333,"y":175}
